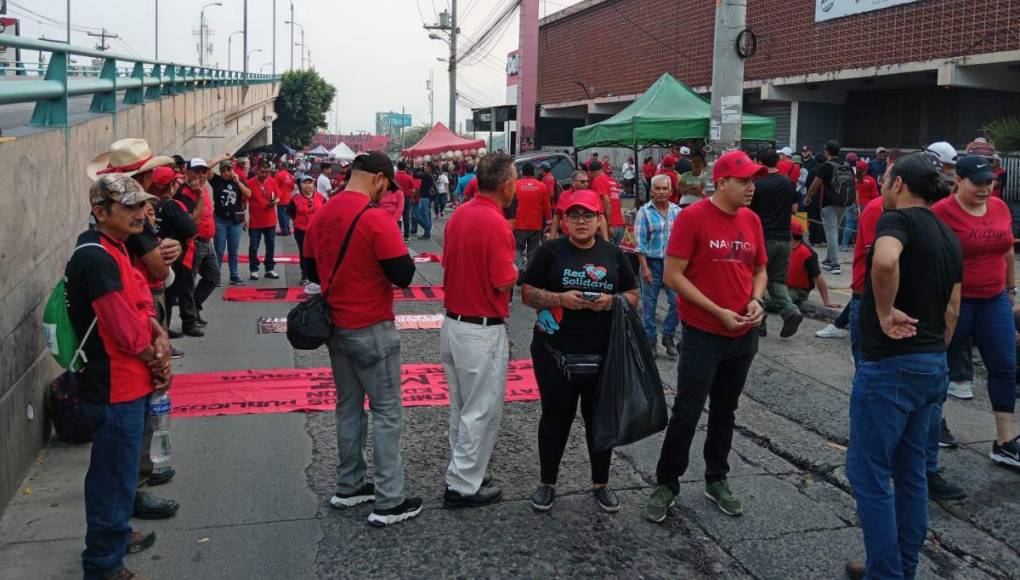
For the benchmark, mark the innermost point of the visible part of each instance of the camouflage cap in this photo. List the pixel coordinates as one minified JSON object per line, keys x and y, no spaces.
{"x":119,"y":188}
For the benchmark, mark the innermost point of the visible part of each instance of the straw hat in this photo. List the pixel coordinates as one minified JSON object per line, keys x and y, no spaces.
{"x":128,"y":157}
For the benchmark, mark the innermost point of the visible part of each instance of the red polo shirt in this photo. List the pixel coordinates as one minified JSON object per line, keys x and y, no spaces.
{"x":285,"y":185}
{"x":205,"y":224}
{"x":360,"y":295}
{"x":405,"y":182}
{"x":532,"y":204}
{"x":722,"y":252}
{"x":478,"y":257}
{"x":261,"y":211}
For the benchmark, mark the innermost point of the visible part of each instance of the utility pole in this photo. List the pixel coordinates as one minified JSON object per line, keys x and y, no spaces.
{"x":727,"y":77}
{"x":448,"y":23}
{"x":102,"y":36}
{"x":274,"y":37}
{"x":292,"y":35}
{"x":69,"y":24}
{"x":245,"y":37}
{"x":156,"y":36}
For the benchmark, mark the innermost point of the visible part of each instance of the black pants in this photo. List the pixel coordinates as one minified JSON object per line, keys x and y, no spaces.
{"x":559,"y":407}
{"x":207,"y":270}
{"x":709,"y":365}
{"x":181,"y":295}
{"x":816,"y":232}
{"x":299,"y":237}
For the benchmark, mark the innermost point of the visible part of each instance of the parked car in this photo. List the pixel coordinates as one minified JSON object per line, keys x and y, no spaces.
{"x":562,"y":165}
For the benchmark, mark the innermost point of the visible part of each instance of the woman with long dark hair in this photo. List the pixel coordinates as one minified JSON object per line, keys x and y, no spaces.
{"x":571,"y":281}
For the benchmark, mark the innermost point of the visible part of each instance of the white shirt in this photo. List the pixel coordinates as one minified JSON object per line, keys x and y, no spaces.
{"x":323,"y":185}
{"x":443,"y":183}
{"x":628,"y":170}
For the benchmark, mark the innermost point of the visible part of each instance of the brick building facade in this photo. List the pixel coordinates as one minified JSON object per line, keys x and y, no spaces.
{"x":900,"y":75}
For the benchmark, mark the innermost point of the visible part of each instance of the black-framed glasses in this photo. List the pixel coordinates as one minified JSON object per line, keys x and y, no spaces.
{"x":578,"y":217}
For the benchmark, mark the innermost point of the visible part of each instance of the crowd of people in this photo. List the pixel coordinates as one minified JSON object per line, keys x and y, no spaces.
{"x":933,"y":272}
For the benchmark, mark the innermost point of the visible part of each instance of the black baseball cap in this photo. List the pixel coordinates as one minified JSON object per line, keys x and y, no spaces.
{"x":376,"y":162}
{"x":975,"y":168}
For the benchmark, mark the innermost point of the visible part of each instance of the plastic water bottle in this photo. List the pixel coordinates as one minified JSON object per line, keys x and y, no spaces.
{"x":160,"y":449}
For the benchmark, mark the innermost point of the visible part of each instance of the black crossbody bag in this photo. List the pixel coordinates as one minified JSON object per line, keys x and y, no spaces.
{"x":308,"y":324}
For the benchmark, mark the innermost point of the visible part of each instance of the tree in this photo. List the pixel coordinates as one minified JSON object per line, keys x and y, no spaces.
{"x":301,"y":107}
{"x":1004,"y":133}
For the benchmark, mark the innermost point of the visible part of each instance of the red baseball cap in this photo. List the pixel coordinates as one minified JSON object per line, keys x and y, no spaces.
{"x":164,"y":175}
{"x":796,"y":228}
{"x":862,"y":165}
{"x":585,"y":198}
{"x":668,"y":161}
{"x":737,"y":164}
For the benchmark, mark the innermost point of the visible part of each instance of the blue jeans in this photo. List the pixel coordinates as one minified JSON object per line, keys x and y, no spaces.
{"x":961,"y":362}
{"x":110,"y":484}
{"x":228,"y":234}
{"x":425,"y":214}
{"x":853,"y":213}
{"x":650,"y":299}
{"x":890,"y":410}
{"x":410,"y":218}
{"x":988,"y":324}
{"x":854,"y":311}
{"x":255,"y":235}
{"x":283,"y":219}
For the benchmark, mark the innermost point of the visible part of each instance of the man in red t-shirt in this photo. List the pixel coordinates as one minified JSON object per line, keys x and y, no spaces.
{"x":365,"y":349}
{"x":715,"y":261}
{"x":406,"y":184}
{"x":609,"y":192}
{"x":285,"y":185}
{"x":533,"y":214}
{"x":545,"y":175}
{"x":265,"y":197}
{"x":668,"y":169}
{"x":206,"y":268}
{"x":478,"y":274}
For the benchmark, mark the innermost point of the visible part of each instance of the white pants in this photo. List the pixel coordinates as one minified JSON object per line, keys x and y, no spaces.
{"x":475,"y":361}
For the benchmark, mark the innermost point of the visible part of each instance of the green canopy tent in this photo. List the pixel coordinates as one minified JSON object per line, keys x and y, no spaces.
{"x":667,"y":113}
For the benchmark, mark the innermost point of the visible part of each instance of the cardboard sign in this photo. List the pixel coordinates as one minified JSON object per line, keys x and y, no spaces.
{"x":289,"y":390}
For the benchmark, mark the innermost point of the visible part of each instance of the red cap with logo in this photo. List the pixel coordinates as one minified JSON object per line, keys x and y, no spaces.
{"x":796,"y":228}
{"x":164,"y":175}
{"x":737,"y":164}
{"x":668,"y":161}
{"x":587,"y":199}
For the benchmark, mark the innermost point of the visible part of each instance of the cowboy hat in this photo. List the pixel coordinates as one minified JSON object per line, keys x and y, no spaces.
{"x":127,"y":156}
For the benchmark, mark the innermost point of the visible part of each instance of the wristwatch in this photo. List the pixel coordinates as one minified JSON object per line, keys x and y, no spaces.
{"x":760,"y":301}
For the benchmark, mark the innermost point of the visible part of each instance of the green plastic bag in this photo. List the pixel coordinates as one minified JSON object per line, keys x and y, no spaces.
{"x":61,"y":339}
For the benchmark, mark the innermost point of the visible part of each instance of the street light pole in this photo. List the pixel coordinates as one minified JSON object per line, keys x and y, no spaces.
{"x":274,"y":38}
{"x":291,"y":35}
{"x":453,"y":65}
{"x":157,"y":30}
{"x":247,"y":57}
{"x":69,"y":25}
{"x":245,"y":42}
{"x":230,"y":51}
{"x":201,"y":32}
{"x":293,"y":44}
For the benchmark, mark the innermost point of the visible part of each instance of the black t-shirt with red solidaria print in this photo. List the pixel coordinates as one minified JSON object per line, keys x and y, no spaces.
{"x":559,"y":266}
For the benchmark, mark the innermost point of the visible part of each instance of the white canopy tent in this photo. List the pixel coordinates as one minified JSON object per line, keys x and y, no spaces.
{"x":342,"y":152}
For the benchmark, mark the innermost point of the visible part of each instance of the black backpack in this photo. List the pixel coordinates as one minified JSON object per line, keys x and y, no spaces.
{"x":843,"y":186}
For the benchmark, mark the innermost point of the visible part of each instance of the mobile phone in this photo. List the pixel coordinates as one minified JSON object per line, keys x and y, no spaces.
{"x":591,"y":296}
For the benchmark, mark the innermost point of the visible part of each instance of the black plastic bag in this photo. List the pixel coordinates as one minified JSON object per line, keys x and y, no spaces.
{"x":63,"y":409}
{"x":630,"y":404}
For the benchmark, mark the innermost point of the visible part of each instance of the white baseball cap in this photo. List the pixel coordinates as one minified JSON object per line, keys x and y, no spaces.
{"x":945,"y":152}
{"x":197,"y":163}
{"x":685,"y":151}
{"x":786,"y":151}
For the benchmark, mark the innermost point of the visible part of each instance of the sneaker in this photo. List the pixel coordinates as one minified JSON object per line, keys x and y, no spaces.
{"x":272,"y":275}
{"x":941,"y":490}
{"x":1008,"y":453}
{"x":543,"y":498}
{"x":835,"y":270}
{"x":961,"y":389}
{"x":946,"y":439}
{"x":719,"y":492}
{"x":313,"y":288}
{"x":658,"y":506}
{"x":195,"y":331}
{"x":236,"y":282}
{"x":485,"y":496}
{"x":606,"y":498}
{"x":141,"y":541}
{"x":410,"y":508}
{"x":669,"y":343}
{"x":791,"y":324}
{"x":176,"y":354}
{"x":303,"y":282}
{"x":254,"y":276}
{"x":831,"y":331}
{"x":363,"y":494}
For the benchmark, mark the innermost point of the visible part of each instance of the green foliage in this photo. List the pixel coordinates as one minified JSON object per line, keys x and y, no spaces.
{"x":1004,"y":133}
{"x":414,"y":134}
{"x":304,"y":101}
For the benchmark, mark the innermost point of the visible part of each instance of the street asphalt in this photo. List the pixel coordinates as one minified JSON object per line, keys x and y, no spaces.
{"x":254,"y":489}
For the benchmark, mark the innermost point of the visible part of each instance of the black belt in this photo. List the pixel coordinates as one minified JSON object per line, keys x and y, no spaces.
{"x":480,"y":320}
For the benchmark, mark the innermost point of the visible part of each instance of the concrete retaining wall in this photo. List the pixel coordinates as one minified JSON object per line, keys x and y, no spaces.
{"x":44,"y":206}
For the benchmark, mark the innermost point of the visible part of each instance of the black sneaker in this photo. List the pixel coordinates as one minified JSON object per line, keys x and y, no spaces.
{"x":236,"y":282}
{"x":253,"y":276}
{"x":195,"y":332}
{"x":1007,"y":454}
{"x":176,"y":354}
{"x":946,"y":439}
{"x":835,"y":270}
{"x":272,"y":275}
{"x":543,"y":498}
{"x":485,"y":496}
{"x":363,"y":494}
{"x":791,"y":324}
{"x":606,"y":498}
{"x":940,"y":490}
{"x":410,"y":508}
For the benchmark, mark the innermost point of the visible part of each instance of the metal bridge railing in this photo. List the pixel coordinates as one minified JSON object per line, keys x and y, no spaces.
{"x":141,"y":80}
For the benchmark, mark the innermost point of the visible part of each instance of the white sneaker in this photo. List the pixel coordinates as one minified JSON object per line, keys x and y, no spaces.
{"x":961,"y":390}
{"x":831,"y":331}
{"x":312,"y":288}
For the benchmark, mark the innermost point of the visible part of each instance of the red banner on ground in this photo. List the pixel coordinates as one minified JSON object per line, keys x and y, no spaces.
{"x":423,"y":257}
{"x":297,"y":294}
{"x":287,"y":390}
{"x":285,"y":259}
{"x":278,"y":325}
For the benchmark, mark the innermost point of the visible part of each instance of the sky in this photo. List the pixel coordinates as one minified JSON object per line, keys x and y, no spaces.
{"x":376,"y":53}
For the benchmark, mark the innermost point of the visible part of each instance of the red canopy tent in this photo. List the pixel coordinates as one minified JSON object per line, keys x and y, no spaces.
{"x":440,"y":139}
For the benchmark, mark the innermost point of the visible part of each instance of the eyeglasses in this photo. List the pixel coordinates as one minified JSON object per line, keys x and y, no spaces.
{"x":576,"y":216}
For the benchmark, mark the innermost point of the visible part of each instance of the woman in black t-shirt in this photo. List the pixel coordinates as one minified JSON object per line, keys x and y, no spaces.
{"x":571,"y":281}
